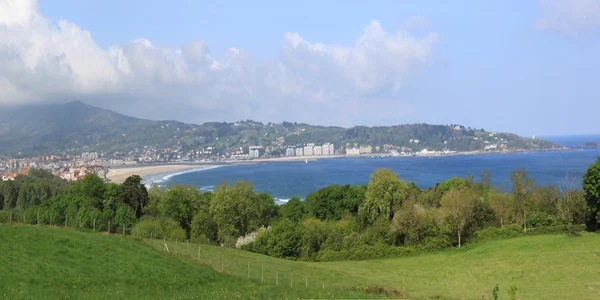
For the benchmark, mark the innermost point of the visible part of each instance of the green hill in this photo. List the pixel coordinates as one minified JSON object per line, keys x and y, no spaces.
{"x":541,"y":267}
{"x":47,"y":263}
{"x":76,"y":127}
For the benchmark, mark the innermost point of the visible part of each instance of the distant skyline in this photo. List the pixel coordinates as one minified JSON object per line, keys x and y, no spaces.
{"x":528,"y":67}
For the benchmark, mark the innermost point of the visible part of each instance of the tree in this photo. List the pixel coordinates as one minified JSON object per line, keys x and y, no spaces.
{"x":155,"y":195}
{"x":414,"y":222}
{"x":591,"y":188}
{"x":267,"y":209}
{"x":459,"y":207}
{"x":235,"y":210}
{"x":572,"y":207}
{"x":385,"y":192}
{"x":283,"y":240}
{"x":522,"y":185}
{"x":134,"y":194}
{"x":203,"y":226}
{"x":502,"y":205}
{"x":180,"y":205}
{"x":293,"y":210}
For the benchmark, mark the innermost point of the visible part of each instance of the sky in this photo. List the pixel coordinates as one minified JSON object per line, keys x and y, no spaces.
{"x":528,"y":67}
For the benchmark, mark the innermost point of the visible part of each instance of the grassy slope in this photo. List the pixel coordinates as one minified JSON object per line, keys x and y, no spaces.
{"x":47,"y":263}
{"x":542,"y":267}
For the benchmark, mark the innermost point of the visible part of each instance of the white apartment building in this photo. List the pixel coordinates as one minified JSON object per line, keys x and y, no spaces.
{"x":308,"y":149}
{"x":289,"y":152}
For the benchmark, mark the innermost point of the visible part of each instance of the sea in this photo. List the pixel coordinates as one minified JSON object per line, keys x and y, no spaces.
{"x":283,"y":180}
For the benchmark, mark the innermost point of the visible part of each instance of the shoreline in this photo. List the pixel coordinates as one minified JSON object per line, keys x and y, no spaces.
{"x":119,"y":174}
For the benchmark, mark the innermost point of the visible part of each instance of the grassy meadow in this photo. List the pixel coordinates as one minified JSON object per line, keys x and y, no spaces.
{"x":541,"y":267}
{"x":51,"y":263}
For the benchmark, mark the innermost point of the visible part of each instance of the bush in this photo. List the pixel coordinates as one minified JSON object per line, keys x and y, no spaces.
{"x":365,"y":252}
{"x":248,"y":238}
{"x":495,"y":233}
{"x":4,"y":216}
{"x":434,"y":243}
{"x":283,"y":240}
{"x":159,"y":227}
{"x":556,"y":229}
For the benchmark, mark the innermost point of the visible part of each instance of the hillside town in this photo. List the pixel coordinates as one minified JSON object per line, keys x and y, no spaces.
{"x":72,"y":167}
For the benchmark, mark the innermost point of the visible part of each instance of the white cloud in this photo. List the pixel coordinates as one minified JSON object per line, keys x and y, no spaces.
{"x":569,"y":15}
{"x":43,"y":61}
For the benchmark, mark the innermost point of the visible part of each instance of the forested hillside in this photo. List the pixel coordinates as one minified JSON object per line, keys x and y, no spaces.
{"x":76,"y":126}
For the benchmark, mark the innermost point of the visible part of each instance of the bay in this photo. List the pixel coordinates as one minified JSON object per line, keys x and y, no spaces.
{"x":283,"y":180}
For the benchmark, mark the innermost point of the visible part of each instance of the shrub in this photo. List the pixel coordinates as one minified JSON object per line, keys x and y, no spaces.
{"x":494,"y":233}
{"x":362,"y":252}
{"x":159,"y":227}
{"x":434,"y":243}
{"x":248,"y":238}
{"x":283,"y":240}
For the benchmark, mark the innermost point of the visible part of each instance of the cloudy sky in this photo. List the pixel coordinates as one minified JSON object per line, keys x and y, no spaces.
{"x":530,"y":67}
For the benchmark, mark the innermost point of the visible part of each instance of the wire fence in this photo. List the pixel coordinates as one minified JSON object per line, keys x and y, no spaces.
{"x":242,"y":264}
{"x":258,"y":268}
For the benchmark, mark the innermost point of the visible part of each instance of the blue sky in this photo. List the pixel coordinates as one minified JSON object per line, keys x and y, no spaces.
{"x":529,"y":67}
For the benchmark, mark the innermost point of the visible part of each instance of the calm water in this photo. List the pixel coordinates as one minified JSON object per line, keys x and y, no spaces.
{"x":284,"y":180}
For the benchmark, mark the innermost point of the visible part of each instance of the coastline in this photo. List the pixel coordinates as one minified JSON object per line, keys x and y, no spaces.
{"x":118,"y":175}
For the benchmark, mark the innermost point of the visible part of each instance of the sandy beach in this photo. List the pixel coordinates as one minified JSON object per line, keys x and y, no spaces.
{"x":119,"y":175}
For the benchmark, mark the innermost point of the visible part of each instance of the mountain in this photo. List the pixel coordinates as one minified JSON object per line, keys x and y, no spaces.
{"x":76,"y":127}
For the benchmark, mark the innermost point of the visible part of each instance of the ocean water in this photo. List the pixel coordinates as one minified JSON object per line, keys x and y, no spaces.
{"x":284,"y":180}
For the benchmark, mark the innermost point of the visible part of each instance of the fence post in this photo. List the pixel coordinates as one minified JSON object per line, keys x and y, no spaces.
{"x":38,"y":218}
{"x":292,"y":279}
{"x":80,"y":221}
{"x":10,"y":220}
{"x":222,"y":265}
{"x":50,"y":220}
{"x":176,"y":245}
{"x":277,"y":277}
{"x":108,"y":226}
{"x":66,"y":219}
{"x":248,"y":269}
{"x":306,"y":281}
{"x":262,"y":273}
{"x":94,"y":224}
{"x":198,"y":253}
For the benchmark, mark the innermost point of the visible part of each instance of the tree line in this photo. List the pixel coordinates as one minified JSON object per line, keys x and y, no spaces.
{"x":385,"y":217}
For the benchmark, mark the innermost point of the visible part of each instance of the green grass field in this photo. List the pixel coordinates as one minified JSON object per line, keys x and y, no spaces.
{"x":51,"y":263}
{"x":542,"y":267}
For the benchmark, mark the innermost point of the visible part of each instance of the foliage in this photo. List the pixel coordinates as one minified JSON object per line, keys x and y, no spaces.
{"x":512,"y":292}
{"x":495,"y":292}
{"x":383,"y":218}
{"x":134,"y":194}
{"x":459,"y":207}
{"x":385,"y":193}
{"x":237,"y":211}
{"x":293,"y":210}
{"x":159,"y":228}
{"x":591,"y":188}
{"x":334,"y":201}
{"x":282,"y":240}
